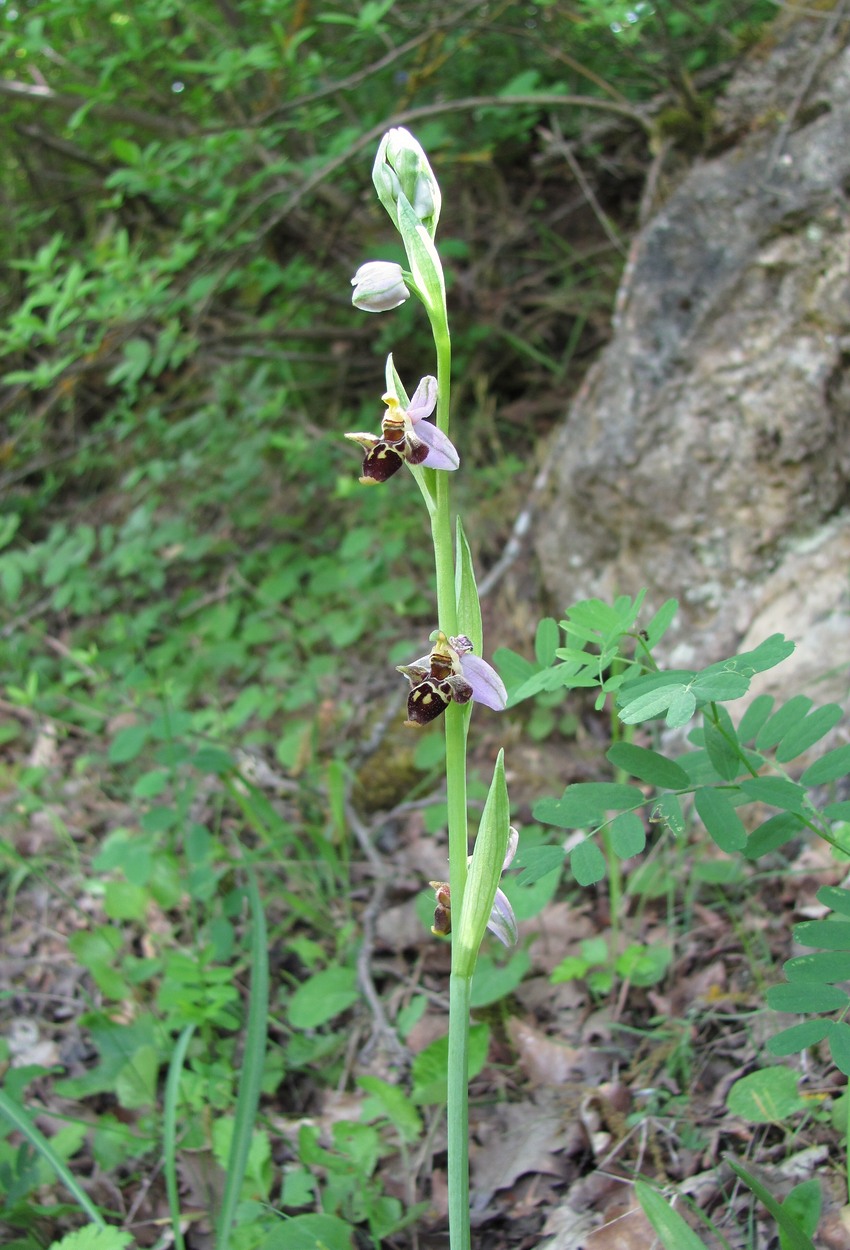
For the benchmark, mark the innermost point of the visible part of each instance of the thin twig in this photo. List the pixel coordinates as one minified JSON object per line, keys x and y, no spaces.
{"x":814,"y":64}
{"x":37,"y":93}
{"x":522,"y":525}
{"x":557,"y":144}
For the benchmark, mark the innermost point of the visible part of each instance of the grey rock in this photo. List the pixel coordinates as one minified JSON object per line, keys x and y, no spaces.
{"x":707,"y":455}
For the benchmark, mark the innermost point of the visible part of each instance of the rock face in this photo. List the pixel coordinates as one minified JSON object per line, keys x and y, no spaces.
{"x":707,"y":455}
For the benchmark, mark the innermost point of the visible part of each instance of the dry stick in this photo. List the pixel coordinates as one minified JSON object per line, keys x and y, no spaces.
{"x":383,"y":1032}
{"x":812,"y":68}
{"x":37,"y":93}
{"x":559,"y":145}
{"x":522,"y":525}
{"x":355,"y":79}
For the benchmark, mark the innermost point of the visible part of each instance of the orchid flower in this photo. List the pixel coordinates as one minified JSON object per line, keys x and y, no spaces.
{"x":502,"y":922}
{"x":406,"y":436}
{"x":450,"y":673}
{"x":379,"y":286}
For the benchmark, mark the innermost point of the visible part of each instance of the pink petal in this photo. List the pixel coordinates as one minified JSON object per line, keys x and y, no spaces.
{"x":424,"y":400}
{"x":513,"y":841}
{"x":502,"y":920}
{"x":487,"y":686}
{"x":442,"y":453}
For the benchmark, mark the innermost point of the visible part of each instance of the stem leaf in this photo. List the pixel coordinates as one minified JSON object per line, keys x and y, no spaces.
{"x":466,"y":592}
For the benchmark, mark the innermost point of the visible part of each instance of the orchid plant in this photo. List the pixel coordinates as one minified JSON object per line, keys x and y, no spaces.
{"x":453,"y":675}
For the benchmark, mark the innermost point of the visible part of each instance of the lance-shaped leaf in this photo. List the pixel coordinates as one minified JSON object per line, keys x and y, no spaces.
{"x":466,"y":591}
{"x":485,"y":869}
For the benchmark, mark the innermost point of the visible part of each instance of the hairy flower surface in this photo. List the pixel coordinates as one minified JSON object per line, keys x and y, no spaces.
{"x":379,"y":286}
{"x":450,"y":673}
{"x":502,"y":922}
{"x":406,"y":435}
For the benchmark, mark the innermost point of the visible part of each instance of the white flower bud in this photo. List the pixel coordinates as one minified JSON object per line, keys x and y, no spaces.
{"x":379,"y":286}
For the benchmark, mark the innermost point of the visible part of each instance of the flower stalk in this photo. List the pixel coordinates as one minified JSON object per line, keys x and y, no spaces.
{"x":453,"y":675}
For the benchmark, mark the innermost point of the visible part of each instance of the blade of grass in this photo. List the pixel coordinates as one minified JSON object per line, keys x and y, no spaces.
{"x":672,"y":1231}
{"x":169,"y":1132}
{"x":794,"y":1236}
{"x":21,"y":1121}
{"x":675,"y":1222}
{"x":248,"y":1098}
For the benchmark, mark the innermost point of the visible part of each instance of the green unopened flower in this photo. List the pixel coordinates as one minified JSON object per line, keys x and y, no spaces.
{"x":401,"y":169}
{"x":379,"y":286}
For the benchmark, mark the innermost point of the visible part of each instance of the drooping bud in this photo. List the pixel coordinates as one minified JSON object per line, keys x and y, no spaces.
{"x":401,"y":169}
{"x":379,"y":286}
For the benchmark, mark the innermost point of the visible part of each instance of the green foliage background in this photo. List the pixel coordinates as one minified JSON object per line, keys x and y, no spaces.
{"x":186,"y":195}
{"x":188,"y":566}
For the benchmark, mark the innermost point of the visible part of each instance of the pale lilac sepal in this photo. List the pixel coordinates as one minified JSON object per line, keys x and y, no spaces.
{"x":513,"y":843}
{"x":502,"y":920}
{"x":442,"y":453}
{"x":424,"y":399}
{"x":487,"y":686}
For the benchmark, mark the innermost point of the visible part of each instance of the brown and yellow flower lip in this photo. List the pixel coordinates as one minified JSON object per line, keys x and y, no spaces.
{"x":407,"y":436}
{"x":450,"y":673}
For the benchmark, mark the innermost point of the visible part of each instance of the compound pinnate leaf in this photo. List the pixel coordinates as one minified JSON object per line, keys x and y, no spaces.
{"x":784,"y":718}
{"x":586,"y":803}
{"x":808,"y":731}
{"x":806,"y":997}
{"x":775,"y":832}
{"x":799,"y":1037}
{"x":721,"y":743}
{"x":669,"y":810}
{"x":829,"y":935}
{"x":587,"y":863}
{"x":674,"y":701}
{"x":839,"y":1045}
{"x":723,"y":823}
{"x":628,"y":836}
{"x":828,"y":966}
{"x":755,"y":716}
{"x":546,"y":641}
{"x":836,"y":897}
{"x":649,"y":766}
{"x":775,"y":791}
{"x":660,"y":623}
{"x":828,"y":768}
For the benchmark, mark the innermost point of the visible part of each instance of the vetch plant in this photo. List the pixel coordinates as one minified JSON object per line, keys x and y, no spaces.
{"x":453,"y":675}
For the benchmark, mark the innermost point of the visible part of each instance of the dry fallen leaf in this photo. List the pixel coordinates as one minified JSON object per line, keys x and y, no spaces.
{"x":544,"y":1060}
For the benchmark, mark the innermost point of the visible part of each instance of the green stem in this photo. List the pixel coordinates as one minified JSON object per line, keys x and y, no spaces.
{"x":460,"y":989}
{"x":615,"y":891}
{"x":457,"y":719}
